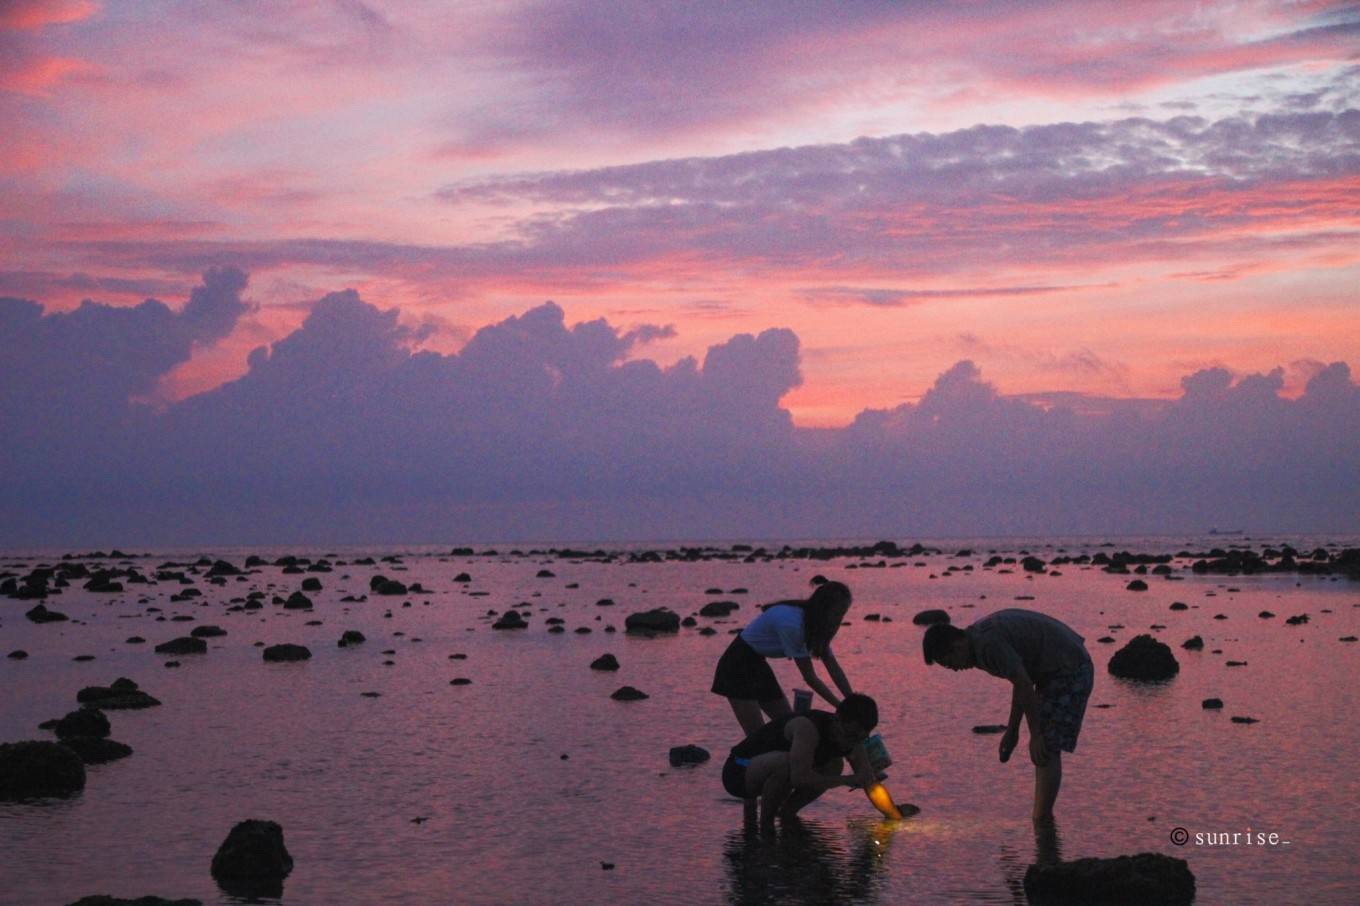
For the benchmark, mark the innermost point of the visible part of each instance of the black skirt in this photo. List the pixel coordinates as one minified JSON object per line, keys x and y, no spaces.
{"x":743,"y":673}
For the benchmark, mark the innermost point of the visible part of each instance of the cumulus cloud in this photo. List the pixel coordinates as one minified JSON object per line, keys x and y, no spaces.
{"x":344,"y":430}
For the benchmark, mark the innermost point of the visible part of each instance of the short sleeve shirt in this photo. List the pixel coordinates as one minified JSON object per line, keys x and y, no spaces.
{"x":778,"y":632}
{"x":1014,"y":641}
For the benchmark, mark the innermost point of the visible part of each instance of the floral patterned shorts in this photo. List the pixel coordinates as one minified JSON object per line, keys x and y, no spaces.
{"x":1062,"y":705}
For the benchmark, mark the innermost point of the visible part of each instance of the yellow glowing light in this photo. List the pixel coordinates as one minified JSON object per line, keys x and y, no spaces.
{"x":878,"y":794}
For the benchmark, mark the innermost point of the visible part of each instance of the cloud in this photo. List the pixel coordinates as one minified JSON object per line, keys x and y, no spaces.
{"x":346,"y":430}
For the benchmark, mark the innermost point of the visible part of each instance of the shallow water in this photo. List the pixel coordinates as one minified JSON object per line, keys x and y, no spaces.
{"x":508,"y":820}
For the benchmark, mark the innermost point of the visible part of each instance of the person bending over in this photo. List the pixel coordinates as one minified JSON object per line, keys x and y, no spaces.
{"x":1051,"y":677}
{"x":793,"y":759}
{"x":801,"y":630}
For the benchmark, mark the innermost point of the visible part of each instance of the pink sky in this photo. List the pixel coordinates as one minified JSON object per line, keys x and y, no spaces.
{"x":1098,"y":197}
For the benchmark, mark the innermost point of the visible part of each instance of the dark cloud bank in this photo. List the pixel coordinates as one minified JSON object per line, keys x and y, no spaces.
{"x":538,"y":430}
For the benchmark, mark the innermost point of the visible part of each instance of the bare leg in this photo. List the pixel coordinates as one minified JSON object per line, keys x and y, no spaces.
{"x":803,"y":796}
{"x":1047,"y":781}
{"x":747,"y":711}
{"x":776,"y":707}
{"x":767,"y":776}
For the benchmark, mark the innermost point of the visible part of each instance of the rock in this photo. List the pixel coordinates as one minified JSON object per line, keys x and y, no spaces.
{"x":1133,"y":880}
{"x":41,"y":614}
{"x":709,"y":630}
{"x":1178,"y":605}
{"x":252,"y":855}
{"x":1344,"y":638}
{"x":1298,"y":620}
{"x":462,"y":578}
{"x":1211,"y":704}
{"x":96,"y":750}
{"x":510,"y":620}
{"x":287,"y":652}
{"x":930,"y":617}
{"x":681,"y":755}
{"x":18,"y":654}
{"x":1106,"y":640}
{"x":659,"y":619}
{"x":689,"y":622}
{"x":104,"y":899}
{"x":207,"y":632}
{"x":123,"y":695}
{"x":297,"y":601}
{"x":460,"y":681}
{"x":1245,"y":720}
{"x":1266,"y":615}
{"x":605,"y":662}
{"x":36,"y":768}
{"x":990,"y":728}
{"x":1234,"y":663}
{"x":183,"y":645}
{"x":85,"y":722}
{"x":628,"y":694}
{"x":1144,"y":658}
{"x":718,"y":608}
{"x":605,"y":602}
{"x":545,"y":574}
{"x":350,"y":637}
{"x":311,"y":583}
{"x":1137,"y":585}
{"x":389,"y":587}
{"x":1194,"y":643}
{"x":223,"y":568}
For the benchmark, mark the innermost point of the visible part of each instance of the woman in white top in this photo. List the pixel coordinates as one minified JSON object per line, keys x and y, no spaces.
{"x":801,"y":630}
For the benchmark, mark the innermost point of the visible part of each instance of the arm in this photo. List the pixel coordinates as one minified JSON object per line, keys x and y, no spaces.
{"x":814,"y":681}
{"x":1012,"y":734}
{"x":864,"y":775}
{"x":803,"y":773}
{"x":833,"y":670}
{"x":1024,"y":696}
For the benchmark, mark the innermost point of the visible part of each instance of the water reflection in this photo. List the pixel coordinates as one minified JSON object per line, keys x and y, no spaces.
{"x":1047,"y":851}
{"x":807,"y":862}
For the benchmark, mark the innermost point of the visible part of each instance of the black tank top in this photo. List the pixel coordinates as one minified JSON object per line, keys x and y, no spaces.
{"x":771,"y":738}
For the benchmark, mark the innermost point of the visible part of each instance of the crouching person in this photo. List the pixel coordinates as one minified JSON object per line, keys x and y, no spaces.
{"x":793,"y":759}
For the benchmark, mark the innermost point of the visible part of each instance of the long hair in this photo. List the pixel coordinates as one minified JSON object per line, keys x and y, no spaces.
{"x":822,"y":614}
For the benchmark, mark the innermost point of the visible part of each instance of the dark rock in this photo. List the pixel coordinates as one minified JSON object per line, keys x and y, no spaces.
{"x":1179,"y":605}
{"x":1137,"y":585}
{"x":1234,"y":663}
{"x":990,"y":728}
{"x":311,"y":583}
{"x":460,"y":681}
{"x":718,"y":608}
{"x":1298,"y":620}
{"x":123,"y":695}
{"x":659,"y":619}
{"x":390,"y":587}
{"x":39,"y":768}
{"x":1211,"y":704}
{"x":207,"y":632}
{"x":183,"y":645}
{"x":1194,"y":643}
{"x":605,"y":602}
{"x":930,"y":617}
{"x":1144,"y":658}
{"x":104,"y":899}
{"x":681,"y":755}
{"x":1132,"y":880}
{"x":511,"y":619}
{"x":689,"y":622}
{"x":350,"y":637}
{"x":709,"y":630}
{"x":18,"y":654}
{"x":462,"y":578}
{"x":1245,"y":720}
{"x":287,"y":652}
{"x":545,"y":574}
{"x":223,"y":568}
{"x":297,"y":601}
{"x":252,"y":855}
{"x":40,"y":614}
{"x":85,"y":722}
{"x":97,"y":750}
{"x":1266,"y":615}
{"x":628,"y":694}
{"x":1106,"y":640}
{"x":605,"y":662}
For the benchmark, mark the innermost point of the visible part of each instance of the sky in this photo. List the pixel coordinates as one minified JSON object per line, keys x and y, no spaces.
{"x":358,"y":271}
